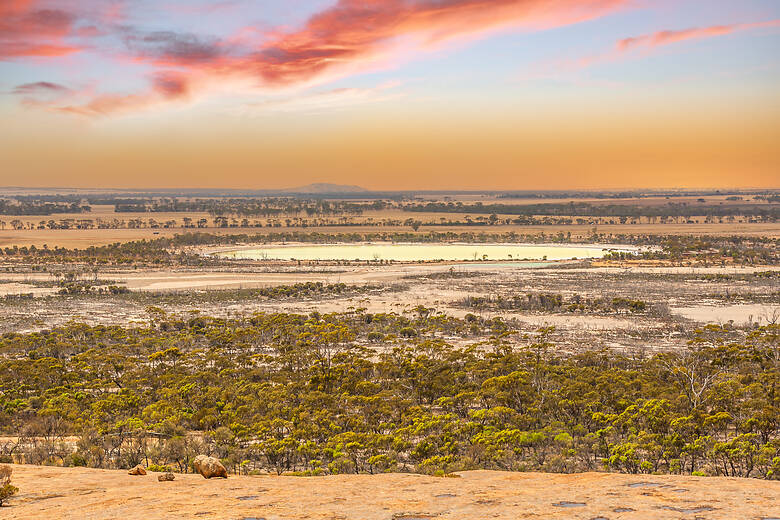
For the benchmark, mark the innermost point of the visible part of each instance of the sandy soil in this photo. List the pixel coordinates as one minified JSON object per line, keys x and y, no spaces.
{"x":675,"y":295}
{"x":182,"y":279}
{"x":24,"y":288}
{"x":80,"y":493}
{"x":739,"y":314}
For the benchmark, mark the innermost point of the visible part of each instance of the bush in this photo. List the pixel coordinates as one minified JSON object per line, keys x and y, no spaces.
{"x":159,"y":469}
{"x":6,"y":492}
{"x":408,"y":332}
{"x":76,"y":460}
{"x":6,"y":489}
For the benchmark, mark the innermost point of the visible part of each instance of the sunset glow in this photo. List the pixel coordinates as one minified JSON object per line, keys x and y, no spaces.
{"x":390,"y":94}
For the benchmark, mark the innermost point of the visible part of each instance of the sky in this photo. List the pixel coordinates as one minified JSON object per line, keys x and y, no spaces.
{"x":390,"y":94}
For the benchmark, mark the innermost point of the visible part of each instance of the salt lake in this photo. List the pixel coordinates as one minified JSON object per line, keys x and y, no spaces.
{"x":421,"y":252}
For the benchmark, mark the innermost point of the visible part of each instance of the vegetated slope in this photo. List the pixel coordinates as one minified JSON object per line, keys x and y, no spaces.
{"x":368,"y":393}
{"x":65,"y":493}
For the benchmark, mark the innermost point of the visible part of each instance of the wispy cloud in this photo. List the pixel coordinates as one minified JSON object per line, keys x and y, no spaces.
{"x":335,"y":99}
{"x":661,"y":38}
{"x":40,"y":87}
{"x":166,"y":87}
{"x":647,"y":43}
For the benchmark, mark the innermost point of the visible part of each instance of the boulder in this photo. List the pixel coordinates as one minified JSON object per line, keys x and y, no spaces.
{"x":166,"y":477}
{"x":138,"y":470}
{"x":209,"y":467}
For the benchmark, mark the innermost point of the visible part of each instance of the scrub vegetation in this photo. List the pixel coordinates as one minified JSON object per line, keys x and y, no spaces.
{"x":358,"y":392}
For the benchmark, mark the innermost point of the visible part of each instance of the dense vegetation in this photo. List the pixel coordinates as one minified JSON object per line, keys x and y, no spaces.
{"x":359,"y":392}
{"x":140,"y":252}
{"x":295,"y":291}
{"x":19,"y":208}
{"x":549,"y":302}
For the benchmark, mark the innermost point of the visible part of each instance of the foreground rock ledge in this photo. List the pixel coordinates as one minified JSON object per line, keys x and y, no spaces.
{"x":65,"y":493}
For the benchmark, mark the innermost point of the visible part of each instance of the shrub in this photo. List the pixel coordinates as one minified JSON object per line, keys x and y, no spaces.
{"x":158,"y":468}
{"x":6,"y":489}
{"x":76,"y":459}
{"x":408,"y":332}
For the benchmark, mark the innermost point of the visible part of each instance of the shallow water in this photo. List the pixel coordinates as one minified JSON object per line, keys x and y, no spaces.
{"x":700,"y":509}
{"x":643,"y":484}
{"x":418,"y":252}
{"x":566,"y":503}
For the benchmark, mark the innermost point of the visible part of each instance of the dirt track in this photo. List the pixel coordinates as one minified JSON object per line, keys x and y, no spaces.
{"x":80,"y":493}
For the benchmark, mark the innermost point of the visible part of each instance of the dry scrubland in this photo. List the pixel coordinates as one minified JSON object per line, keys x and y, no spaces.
{"x":675,"y":299}
{"x":89,"y":494}
{"x":153,"y":351}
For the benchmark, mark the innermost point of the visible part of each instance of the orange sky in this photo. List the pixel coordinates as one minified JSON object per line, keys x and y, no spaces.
{"x":607,"y":145}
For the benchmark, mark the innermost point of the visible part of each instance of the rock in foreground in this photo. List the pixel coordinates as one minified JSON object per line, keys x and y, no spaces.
{"x":209,"y":467}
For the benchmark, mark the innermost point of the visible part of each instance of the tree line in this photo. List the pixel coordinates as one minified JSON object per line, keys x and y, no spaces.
{"x":765,"y":212}
{"x":22,"y":208}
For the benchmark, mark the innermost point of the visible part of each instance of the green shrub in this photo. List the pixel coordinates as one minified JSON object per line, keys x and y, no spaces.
{"x":6,"y":492}
{"x":6,"y":489}
{"x":159,"y":469}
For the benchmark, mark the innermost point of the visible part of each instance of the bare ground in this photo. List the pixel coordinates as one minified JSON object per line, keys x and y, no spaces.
{"x":677,"y":297}
{"x":80,"y":493}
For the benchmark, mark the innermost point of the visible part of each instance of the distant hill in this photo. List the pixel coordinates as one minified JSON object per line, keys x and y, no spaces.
{"x":324,"y":187}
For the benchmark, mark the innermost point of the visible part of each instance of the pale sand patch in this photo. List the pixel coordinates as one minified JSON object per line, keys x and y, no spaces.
{"x":80,"y":493}
{"x":226,"y":278}
{"x":739,"y":314}
{"x":14,"y":288}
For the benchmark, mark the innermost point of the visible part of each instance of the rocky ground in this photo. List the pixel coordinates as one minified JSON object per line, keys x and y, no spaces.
{"x":81,"y":493}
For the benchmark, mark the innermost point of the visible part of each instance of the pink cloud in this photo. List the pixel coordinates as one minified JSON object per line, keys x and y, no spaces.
{"x":166,"y":87}
{"x":648,"y":42}
{"x":350,"y":37}
{"x":667,"y":37}
{"x":29,"y":28}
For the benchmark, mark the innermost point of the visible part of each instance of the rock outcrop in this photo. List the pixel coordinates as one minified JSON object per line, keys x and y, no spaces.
{"x":209,"y":467}
{"x":138,"y":470}
{"x":166,"y":477}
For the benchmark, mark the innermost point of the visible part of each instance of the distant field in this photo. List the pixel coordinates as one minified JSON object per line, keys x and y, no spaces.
{"x":130,"y":226}
{"x":94,"y":237}
{"x":88,"y":237}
